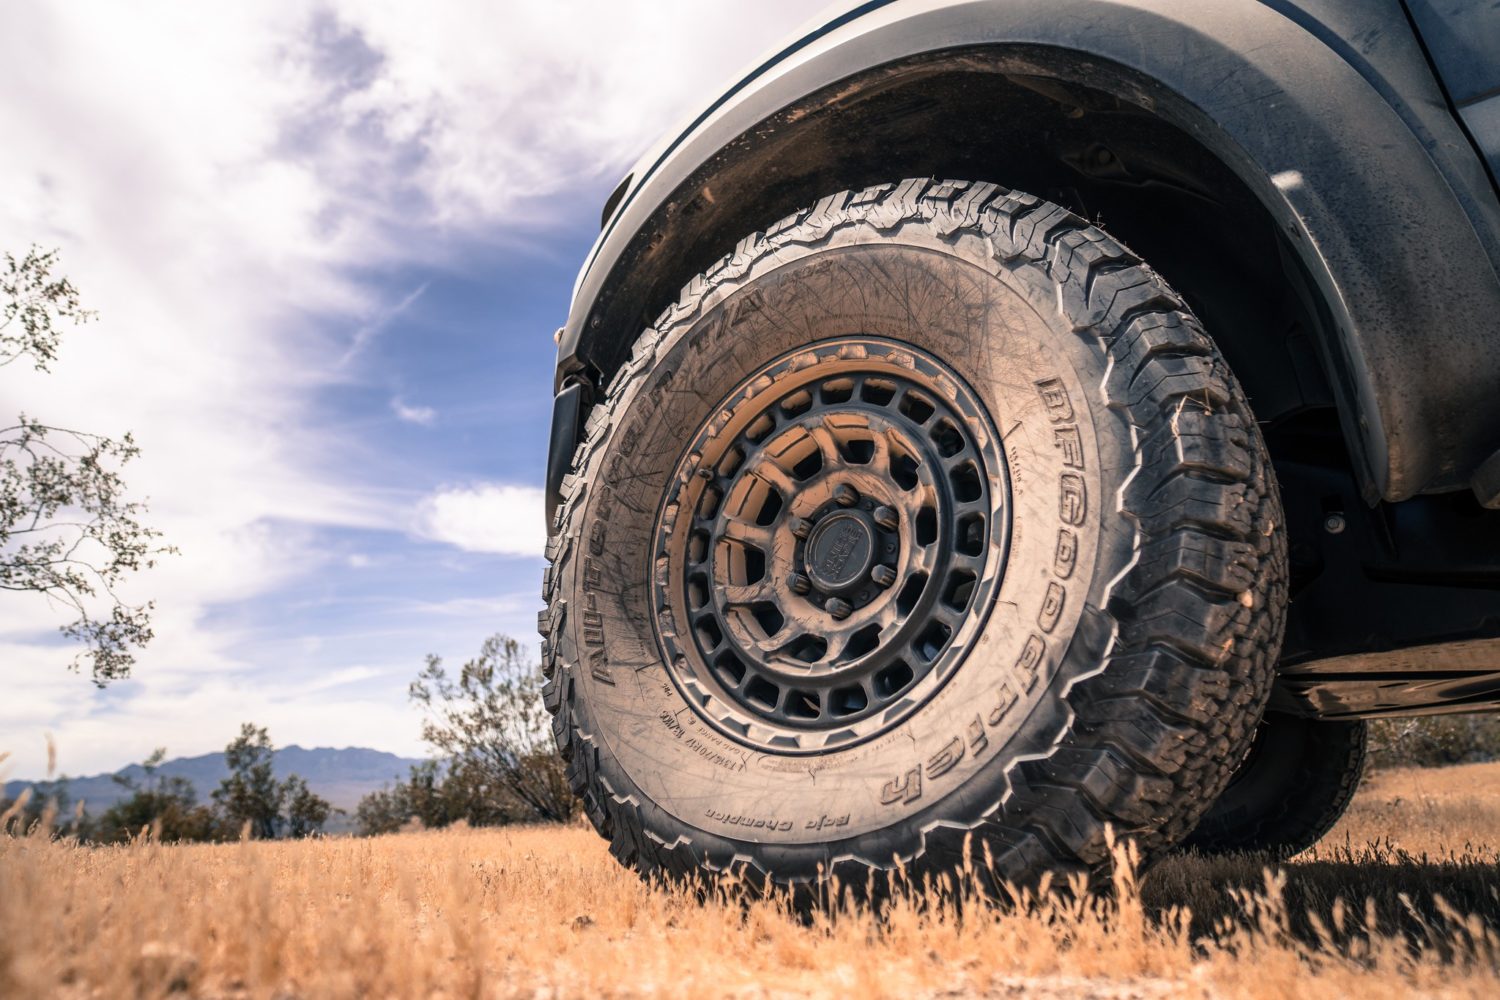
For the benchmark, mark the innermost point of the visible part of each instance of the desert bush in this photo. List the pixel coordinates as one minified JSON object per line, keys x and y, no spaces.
{"x":495,"y":759}
{"x":306,"y":810}
{"x":167,"y":806}
{"x":45,"y":805}
{"x":251,"y":797}
{"x":489,"y":723}
{"x":432,"y":797}
{"x":1434,"y":741}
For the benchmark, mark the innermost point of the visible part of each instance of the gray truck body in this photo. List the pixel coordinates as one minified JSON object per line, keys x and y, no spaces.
{"x":1357,"y":147}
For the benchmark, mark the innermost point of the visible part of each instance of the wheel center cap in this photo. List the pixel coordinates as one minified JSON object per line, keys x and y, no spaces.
{"x":839,"y":551}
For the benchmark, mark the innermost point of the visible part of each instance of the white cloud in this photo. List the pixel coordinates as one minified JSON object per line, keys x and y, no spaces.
{"x":504,"y":520}
{"x":222,"y":181}
{"x":422,"y":415}
{"x":491,"y":107}
{"x":378,"y":322}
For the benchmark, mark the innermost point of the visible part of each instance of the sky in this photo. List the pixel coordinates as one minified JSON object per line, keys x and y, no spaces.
{"x":328,"y":244}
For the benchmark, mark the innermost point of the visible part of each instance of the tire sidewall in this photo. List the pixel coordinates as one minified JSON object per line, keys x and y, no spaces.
{"x":1067,"y":456}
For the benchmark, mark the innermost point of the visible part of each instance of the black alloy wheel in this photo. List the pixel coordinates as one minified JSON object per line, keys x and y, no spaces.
{"x":834,"y":545}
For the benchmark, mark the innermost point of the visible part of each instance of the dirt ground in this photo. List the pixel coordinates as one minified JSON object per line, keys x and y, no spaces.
{"x":1402,"y":897}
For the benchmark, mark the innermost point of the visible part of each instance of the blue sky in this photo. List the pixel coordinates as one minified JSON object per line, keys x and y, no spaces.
{"x":328,"y":244}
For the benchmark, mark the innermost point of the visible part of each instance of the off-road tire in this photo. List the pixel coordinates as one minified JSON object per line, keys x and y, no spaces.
{"x":1291,"y":789}
{"x":1130,"y":653}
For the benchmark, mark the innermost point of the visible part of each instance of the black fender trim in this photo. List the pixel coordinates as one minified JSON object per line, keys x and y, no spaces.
{"x":567,"y":425}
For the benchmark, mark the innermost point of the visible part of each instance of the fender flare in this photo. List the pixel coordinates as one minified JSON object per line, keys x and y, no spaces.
{"x":1374,"y":193}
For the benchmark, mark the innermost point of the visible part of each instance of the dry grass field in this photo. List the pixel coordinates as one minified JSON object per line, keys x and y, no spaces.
{"x":1403,"y":897}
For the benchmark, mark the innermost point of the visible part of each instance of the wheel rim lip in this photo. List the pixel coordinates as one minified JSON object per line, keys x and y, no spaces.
{"x":796,"y":371}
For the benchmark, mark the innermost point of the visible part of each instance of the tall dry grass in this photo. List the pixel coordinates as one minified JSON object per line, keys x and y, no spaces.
{"x":544,"y":911}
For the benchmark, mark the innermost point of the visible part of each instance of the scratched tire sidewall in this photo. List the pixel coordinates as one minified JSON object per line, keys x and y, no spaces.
{"x":1067,"y":455}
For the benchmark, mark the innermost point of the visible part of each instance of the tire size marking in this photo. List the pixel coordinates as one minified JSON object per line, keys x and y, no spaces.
{"x":701,"y":746}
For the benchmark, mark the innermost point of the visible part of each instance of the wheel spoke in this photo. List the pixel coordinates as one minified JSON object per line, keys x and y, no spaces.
{"x":746,"y":533}
{"x":828,"y":447}
{"x":948,"y":615}
{"x":738,"y":594}
{"x":881,"y":459}
{"x":974,"y":564}
{"x":782,"y":642}
{"x":774,"y":476}
{"x":887,"y":616}
{"x":924,"y":559}
{"x":837,"y":642}
{"x":970,"y":506}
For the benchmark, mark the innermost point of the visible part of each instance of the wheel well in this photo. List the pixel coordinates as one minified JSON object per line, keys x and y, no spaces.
{"x":1109,"y":158}
{"x":1127,"y":156}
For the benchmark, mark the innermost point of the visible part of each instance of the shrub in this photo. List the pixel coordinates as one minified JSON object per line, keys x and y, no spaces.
{"x":496,"y":759}
{"x":1434,"y":741}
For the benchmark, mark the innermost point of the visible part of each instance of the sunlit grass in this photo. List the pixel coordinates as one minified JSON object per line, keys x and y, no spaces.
{"x":544,"y":911}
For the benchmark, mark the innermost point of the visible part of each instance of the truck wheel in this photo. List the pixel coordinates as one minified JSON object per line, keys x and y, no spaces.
{"x":1292,"y":787}
{"x":929,"y":516}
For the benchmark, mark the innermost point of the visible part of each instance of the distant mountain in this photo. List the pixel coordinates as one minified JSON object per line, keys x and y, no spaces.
{"x":342,"y":776}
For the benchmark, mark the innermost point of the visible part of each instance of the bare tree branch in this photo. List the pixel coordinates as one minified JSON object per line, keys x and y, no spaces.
{"x":68,"y":530}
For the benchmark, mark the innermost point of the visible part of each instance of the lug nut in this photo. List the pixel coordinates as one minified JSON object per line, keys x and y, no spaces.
{"x":883,"y":575}
{"x":846,"y":495}
{"x":887,"y":518}
{"x":799,"y":583}
{"x":838,"y":607}
{"x":800,"y":526}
